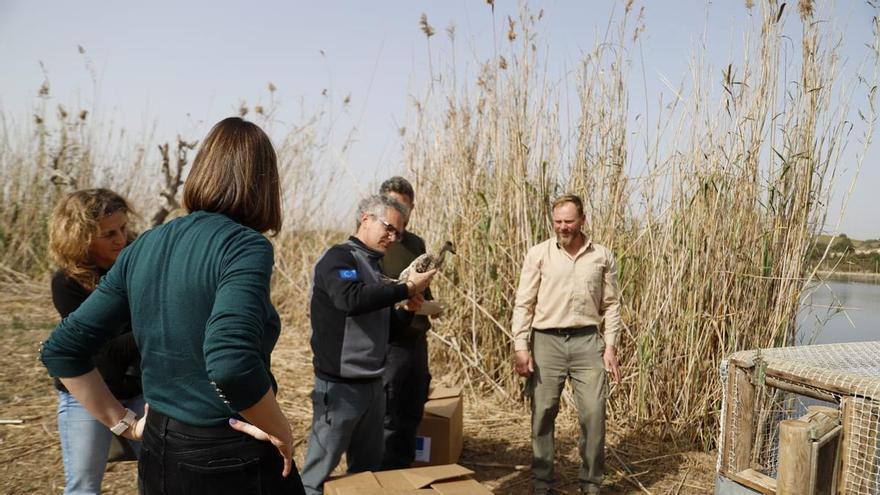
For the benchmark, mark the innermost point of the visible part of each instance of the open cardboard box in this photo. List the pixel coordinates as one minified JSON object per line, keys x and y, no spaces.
{"x":439,"y":437}
{"x":449,"y":479}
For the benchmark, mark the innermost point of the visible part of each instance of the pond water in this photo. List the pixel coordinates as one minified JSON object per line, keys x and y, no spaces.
{"x":836,"y":312}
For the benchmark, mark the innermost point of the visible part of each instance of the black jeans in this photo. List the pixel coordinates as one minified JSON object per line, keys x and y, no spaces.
{"x":406,"y":381}
{"x":178,"y":459}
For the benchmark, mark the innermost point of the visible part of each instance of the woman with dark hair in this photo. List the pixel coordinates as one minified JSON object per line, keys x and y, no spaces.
{"x":87,"y":231}
{"x":196,"y":291}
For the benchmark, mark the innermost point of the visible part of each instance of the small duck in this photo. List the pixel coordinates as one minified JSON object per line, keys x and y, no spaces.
{"x":426,"y":262}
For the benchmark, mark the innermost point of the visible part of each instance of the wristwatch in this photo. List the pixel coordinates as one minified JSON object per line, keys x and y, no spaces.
{"x":125,"y":423}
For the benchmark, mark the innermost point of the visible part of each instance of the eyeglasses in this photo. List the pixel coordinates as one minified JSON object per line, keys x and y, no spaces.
{"x":390,"y":229}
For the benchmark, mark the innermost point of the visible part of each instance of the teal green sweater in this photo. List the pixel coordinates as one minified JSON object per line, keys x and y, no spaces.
{"x":196,"y":291}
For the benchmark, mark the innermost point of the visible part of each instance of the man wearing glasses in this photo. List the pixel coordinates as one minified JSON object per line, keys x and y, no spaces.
{"x":352,"y":315}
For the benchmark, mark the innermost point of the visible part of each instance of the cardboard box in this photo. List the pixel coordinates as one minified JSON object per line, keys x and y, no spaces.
{"x":439,"y":437}
{"x":450,"y":479}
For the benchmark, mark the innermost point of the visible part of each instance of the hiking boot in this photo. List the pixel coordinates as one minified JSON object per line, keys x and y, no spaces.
{"x":590,"y":490}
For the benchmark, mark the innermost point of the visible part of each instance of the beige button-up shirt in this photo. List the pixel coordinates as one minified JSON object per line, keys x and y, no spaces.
{"x":558,"y":290}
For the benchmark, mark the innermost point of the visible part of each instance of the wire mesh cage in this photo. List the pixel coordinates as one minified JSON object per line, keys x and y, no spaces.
{"x":764,"y":390}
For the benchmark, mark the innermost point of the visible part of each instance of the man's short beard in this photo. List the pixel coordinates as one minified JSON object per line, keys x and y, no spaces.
{"x":571,"y":238}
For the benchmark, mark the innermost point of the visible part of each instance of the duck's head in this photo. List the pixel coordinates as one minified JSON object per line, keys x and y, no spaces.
{"x":448,"y":247}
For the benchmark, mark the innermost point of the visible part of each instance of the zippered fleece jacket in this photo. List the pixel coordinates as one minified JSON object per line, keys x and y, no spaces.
{"x":352,"y":313}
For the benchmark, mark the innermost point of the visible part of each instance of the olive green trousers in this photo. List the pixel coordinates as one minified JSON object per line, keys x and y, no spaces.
{"x":574,"y":354}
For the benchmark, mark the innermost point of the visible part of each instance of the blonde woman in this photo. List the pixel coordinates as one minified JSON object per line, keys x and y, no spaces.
{"x":87,"y":231}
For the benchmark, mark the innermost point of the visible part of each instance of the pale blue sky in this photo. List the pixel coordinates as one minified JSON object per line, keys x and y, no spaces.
{"x":185,"y":65}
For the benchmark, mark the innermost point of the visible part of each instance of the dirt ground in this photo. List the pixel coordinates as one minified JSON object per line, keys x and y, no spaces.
{"x":496,"y":443}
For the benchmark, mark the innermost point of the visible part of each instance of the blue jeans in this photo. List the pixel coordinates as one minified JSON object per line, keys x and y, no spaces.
{"x":85,"y":442}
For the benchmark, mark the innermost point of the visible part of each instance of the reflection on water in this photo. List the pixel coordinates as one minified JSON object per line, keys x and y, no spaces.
{"x":834,"y":312}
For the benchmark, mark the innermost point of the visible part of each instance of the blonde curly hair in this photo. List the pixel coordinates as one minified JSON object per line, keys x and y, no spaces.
{"x":72,"y":227}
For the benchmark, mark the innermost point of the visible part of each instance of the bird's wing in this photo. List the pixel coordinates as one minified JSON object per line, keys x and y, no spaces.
{"x":422,"y":263}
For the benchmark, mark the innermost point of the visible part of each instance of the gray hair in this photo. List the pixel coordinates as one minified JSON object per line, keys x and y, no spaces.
{"x":376,"y":205}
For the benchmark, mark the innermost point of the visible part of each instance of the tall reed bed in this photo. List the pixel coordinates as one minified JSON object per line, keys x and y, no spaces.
{"x":711,"y":224}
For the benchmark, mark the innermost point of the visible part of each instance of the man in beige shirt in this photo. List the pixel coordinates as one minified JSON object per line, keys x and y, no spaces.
{"x":567,"y":290}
